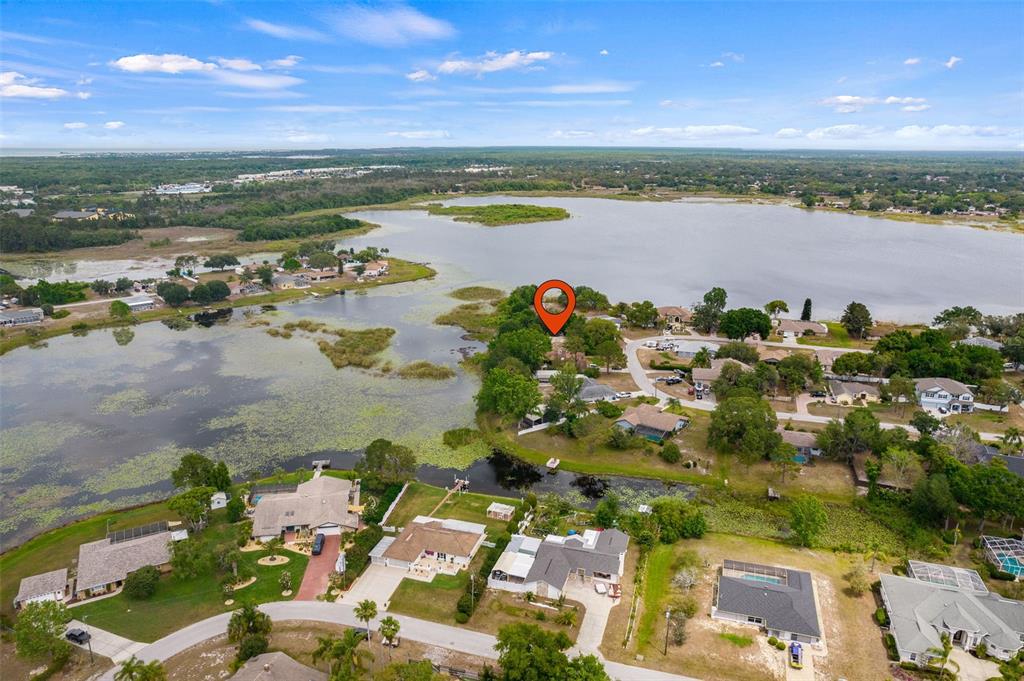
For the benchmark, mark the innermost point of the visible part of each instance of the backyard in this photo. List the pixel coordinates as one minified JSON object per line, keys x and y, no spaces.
{"x":422,"y":499}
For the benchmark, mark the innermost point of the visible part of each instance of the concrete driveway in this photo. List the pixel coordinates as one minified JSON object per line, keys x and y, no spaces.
{"x":117,"y":648}
{"x":973,"y":669}
{"x":377,"y":583}
{"x":599,"y":608}
{"x":319,"y":568}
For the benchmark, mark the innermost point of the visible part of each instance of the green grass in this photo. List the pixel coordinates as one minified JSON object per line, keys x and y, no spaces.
{"x":473,"y":508}
{"x":476,"y":318}
{"x":655,"y":586}
{"x":426,"y":370}
{"x":475,"y":293}
{"x":434,"y":601}
{"x":737,"y":640}
{"x":837,"y":337}
{"x":180,"y":602}
{"x":419,"y":499}
{"x":498,"y":214}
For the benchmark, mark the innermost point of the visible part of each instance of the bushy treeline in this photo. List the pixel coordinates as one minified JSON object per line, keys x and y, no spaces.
{"x":292,"y":229}
{"x":39,"y":235}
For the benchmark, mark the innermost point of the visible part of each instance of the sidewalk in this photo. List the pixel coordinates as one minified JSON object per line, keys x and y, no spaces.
{"x":117,"y":648}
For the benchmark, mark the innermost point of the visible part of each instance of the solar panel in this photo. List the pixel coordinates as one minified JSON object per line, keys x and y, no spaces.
{"x":119,"y":536}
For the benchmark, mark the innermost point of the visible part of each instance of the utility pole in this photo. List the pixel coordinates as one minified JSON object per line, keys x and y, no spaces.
{"x":668,"y":614}
{"x":89,"y":640}
{"x":472,"y":592}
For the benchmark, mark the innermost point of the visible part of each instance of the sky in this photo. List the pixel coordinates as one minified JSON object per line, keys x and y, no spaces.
{"x":103,"y":75}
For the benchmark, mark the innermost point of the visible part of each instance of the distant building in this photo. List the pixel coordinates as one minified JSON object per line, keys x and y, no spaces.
{"x":218,"y":500}
{"x":26,"y":315}
{"x":982,"y":342}
{"x":806,"y":443}
{"x":287,"y":282}
{"x":75,"y":215}
{"x":651,"y":423}
{"x":703,"y":378}
{"x":776,"y":599}
{"x":791,"y":328}
{"x":21,"y":212}
{"x":139,"y":303}
{"x":688,"y":349}
{"x":187,"y":188}
{"x":322,"y":505}
{"x":944,"y":393}
{"x":48,"y":586}
{"x":592,"y":391}
{"x":672,"y":315}
{"x":376,"y":268}
{"x":847,"y":393}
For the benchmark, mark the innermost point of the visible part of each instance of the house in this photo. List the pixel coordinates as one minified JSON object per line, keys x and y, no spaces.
{"x":647,"y":421}
{"x":806,"y":443}
{"x":674,"y":316}
{"x":940,"y":394}
{"x":49,"y":586}
{"x":771,"y":355}
{"x":1006,"y":553}
{"x":826,"y":358}
{"x":988,"y":453}
{"x":500,"y":511}
{"x":921,"y":611}
{"x":276,"y":667}
{"x":319,"y":275}
{"x":794,"y":328}
{"x":982,"y":342}
{"x":704,"y":377}
{"x":26,"y":315}
{"x":139,"y":303}
{"x":688,"y":349}
{"x":545,"y":567}
{"x":375,"y":268}
{"x":75,"y":215}
{"x":286,"y":282}
{"x":323,"y":505}
{"x":617,"y":321}
{"x":947,"y":575}
{"x":776,"y":599}
{"x":592,"y":391}
{"x":218,"y":500}
{"x":21,"y":212}
{"x":427,"y":546}
{"x":104,"y":564}
{"x":847,"y":393}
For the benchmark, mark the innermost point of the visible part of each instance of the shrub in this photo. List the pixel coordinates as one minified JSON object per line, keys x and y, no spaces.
{"x":608,"y":410}
{"x":376,"y":514}
{"x":141,"y":584}
{"x":670,"y":453}
{"x":60,"y":314}
{"x":47,"y":309}
{"x":781,"y":645}
{"x":461,"y":617}
{"x":772,"y":640}
{"x":235,"y":509}
{"x":357,"y":557}
{"x":251,"y":646}
{"x":882,"y":617}
{"x":460,"y":437}
{"x":591,"y":372}
{"x":540,"y":616}
{"x":890,"y":647}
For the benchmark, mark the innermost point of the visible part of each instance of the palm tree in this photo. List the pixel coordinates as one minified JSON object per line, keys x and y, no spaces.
{"x":876,"y":553}
{"x":942,"y":653}
{"x":1012,"y":439}
{"x":274,"y":546}
{"x":389,"y":628}
{"x":365,"y":611}
{"x":328,"y":648}
{"x":248,"y":620}
{"x":134,"y":669}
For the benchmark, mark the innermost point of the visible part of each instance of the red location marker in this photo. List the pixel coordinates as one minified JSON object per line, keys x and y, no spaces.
{"x":554,"y":321}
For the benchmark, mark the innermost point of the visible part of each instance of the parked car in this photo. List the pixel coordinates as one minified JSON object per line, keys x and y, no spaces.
{"x":79,"y":636}
{"x":796,"y":655}
{"x":943,"y":410}
{"x":622,"y":394}
{"x":318,"y":543}
{"x":673,"y":380}
{"x":393,"y":642}
{"x":818,"y":393}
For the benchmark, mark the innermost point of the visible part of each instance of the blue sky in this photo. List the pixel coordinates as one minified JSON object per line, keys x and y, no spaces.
{"x":257,"y":75}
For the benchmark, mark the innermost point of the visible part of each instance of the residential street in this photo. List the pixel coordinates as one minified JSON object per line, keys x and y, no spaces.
{"x":106,"y":644}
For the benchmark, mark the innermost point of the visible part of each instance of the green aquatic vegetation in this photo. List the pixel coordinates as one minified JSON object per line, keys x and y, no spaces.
{"x":496,"y":214}
{"x":460,"y":437}
{"x":133,"y":400}
{"x":24,"y":447}
{"x":123,"y":336}
{"x":475,"y":293}
{"x":478,"y":319}
{"x":356,"y":348}
{"x":139,"y":471}
{"x":278,"y":333}
{"x":426,"y":370}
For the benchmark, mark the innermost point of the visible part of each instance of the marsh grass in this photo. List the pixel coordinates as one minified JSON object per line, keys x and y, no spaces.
{"x":477,"y":293}
{"x":498,"y":214}
{"x":426,"y":370}
{"x":356,"y":348}
{"x":478,"y":319}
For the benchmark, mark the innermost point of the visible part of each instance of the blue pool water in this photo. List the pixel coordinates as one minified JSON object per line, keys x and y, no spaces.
{"x":1012,"y":565}
{"x":800,"y":458}
{"x":763,"y":578}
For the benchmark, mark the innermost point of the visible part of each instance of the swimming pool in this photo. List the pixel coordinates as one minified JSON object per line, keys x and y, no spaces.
{"x":800,"y":458}
{"x":762,"y":578}
{"x":1012,"y":565}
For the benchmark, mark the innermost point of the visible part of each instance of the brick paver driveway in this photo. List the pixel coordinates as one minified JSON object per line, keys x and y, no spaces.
{"x":314,"y":582}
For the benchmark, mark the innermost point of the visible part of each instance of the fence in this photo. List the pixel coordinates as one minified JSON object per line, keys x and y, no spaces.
{"x":394,"y":503}
{"x":457,"y":673}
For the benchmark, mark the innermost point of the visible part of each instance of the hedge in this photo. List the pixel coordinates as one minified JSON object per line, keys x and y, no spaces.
{"x":476,"y":588}
{"x":882,"y":617}
{"x":890,"y":647}
{"x":376,"y":514}
{"x":358,"y":556}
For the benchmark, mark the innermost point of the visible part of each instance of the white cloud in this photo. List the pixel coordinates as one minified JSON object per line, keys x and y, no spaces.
{"x":305,"y":137}
{"x":598,"y":88}
{"x":561,"y":103}
{"x":113,"y":125}
{"x":285,"y":63}
{"x":83,"y":95}
{"x":842,"y":132}
{"x":388,"y":26}
{"x":603,"y":53}
{"x":76,"y":125}
{"x":963,"y":131}
{"x":916,"y":107}
{"x":83,"y":80}
{"x":951,"y":62}
{"x":716,"y":64}
{"x":239,"y":64}
{"x":420,"y":134}
{"x":572,"y":134}
{"x":256,"y":81}
{"x":905,"y":100}
{"x":691,"y":132}
{"x":16,"y":85}
{"x":420,"y":76}
{"x":912,"y":61}
{"x":357,"y":69}
{"x":789,"y":133}
{"x":284,"y":31}
{"x":733,"y":56}
{"x":492,"y":61}
{"x":161,"y":63}
{"x":855,"y":103}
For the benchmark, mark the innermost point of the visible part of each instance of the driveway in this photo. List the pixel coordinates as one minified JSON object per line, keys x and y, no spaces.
{"x":319,"y":568}
{"x":973,"y":669}
{"x":117,"y":648}
{"x":377,"y":583}
{"x":805,"y":674}
{"x":599,"y":608}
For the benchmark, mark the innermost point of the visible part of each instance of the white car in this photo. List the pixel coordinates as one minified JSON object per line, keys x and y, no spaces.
{"x":623,"y":395}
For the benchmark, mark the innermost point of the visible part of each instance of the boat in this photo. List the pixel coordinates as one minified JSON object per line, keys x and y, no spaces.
{"x":552,"y":464}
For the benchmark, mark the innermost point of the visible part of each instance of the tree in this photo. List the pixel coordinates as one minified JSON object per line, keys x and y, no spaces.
{"x":344,"y":652}
{"x":389,"y":628}
{"x":857,"y":579}
{"x":606,"y":514}
{"x":858,"y":432}
{"x":365,"y":611}
{"x":266,"y":275}
{"x":385,"y":463}
{"x":590,"y":299}
{"x":776,"y":307}
{"x":702,"y":359}
{"x":235,"y":509}
{"x":251,"y":646}
{"x":246,"y":621}
{"x":642,"y":315}
{"x":739,"y":351}
{"x":173,"y":294}
{"x":291,"y":265}
{"x":962,"y":316}
{"x":902,"y":462}
{"x":529,"y":346}
{"x":39,"y":629}
{"x":677,"y":519}
{"x":195,"y":470}
{"x":200,"y":294}
{"x":610,"y":353}
{"x":925,"y":423}
{"x":807,"y":519}
{"x":220,"y":262}
{"x":190,"y":558}
{"x":120,"y":310}
{"x":940,"y":658}
{"x":903,"y":391}
{"x":597,"y":331}
{"x":745,"y":425}
{"x":192,"y":505}
{"x":856,"y":320}
{"x":797,"y":370}
{"x":217,"y":290}
{"x":565,"y":388}
{"x":101,"y":286}
{"x":528,"y":653}
{"x":134,"y":669}
{"x":123,"y":284}
{"x":743,"y":322}
{"x":782,"y":460}
{"x":932,"y":499}
{"x":323,"y":260}
{"x":670,"y":453}
{"x":285,"y":581}
{"x":706,"y":314}
{"x":507,"y":393}
{"x":141,"y":584}
{"x":220,"y":478}
{"x":805,"y":314}
{"x":1012,"y":439}
{"x":185,"y":263}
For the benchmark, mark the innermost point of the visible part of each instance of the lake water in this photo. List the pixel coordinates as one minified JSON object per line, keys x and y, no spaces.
{"x":90,"y":424}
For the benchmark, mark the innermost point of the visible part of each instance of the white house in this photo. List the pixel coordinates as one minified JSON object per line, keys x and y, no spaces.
{"x":939,"y":394}
{"x":48,"y":586}
{"x":139,"y":303}
{"x":688,"y":349}
{"x":27,"y":315}
{"x":218,"y":500}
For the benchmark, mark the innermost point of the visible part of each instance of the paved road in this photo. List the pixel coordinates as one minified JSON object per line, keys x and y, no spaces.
{"x":647,"y":384}
{"x":104,"y":643}
{"x":96,"y":301}
{"x":431,"y":633}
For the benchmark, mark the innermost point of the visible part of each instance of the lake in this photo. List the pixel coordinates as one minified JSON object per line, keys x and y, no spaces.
{"x":90,"y":423}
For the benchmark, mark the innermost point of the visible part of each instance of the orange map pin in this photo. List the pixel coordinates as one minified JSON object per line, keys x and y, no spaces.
{"x":552,"y":320}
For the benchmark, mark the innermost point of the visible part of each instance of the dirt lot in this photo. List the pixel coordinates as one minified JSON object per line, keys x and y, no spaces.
{"x":211,"y":661}
{"x":619,"y":380}
{"x":78,"y":668}
{"x":853,"y":642}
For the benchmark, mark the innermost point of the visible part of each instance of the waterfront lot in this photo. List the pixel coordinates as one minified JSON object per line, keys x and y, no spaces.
{"x":422,"y":499}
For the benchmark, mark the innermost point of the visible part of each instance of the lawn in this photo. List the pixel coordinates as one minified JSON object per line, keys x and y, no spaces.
{"x":435,"y":600}
{"x":180,"y":602}
{"x":990,"y":421}
{"x":837,"y":337}
{"x":655,"y":590}
{"x":419,"y":499}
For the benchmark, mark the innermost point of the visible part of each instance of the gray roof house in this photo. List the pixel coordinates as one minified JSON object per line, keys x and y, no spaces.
{"x":944,"y":393}
{"x":26,"y":315}
{"x":276,"y":667}
{"x":48,"y":586}
{"x":104,"y":564}
{"x":544,"y":567}
{"x":776,"y":599}
{"x":592,"y":391}
{"x":321,"y":505}
{"x":982,"y":342}
{"x":920,"y":612}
